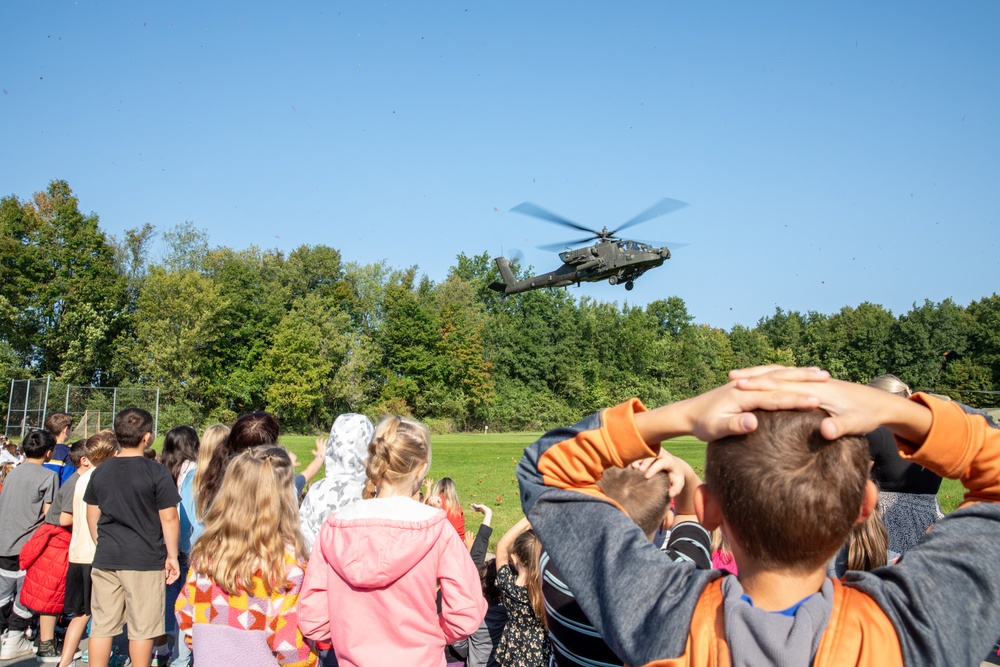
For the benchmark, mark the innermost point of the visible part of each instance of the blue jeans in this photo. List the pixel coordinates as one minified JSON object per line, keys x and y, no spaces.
{"x":182,"y":654}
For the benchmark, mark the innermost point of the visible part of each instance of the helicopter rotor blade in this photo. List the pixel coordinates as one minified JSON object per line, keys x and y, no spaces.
{"x":535,"y":211}
{"x":662,"y":207}
{"x":557,"y":247}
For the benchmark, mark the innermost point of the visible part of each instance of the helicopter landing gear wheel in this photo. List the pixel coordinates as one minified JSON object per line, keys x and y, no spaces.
{"x":613,"y":280}
{"x":629,"y":285}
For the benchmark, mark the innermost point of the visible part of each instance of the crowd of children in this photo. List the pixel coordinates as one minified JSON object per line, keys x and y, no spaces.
{"x":203,"y":555}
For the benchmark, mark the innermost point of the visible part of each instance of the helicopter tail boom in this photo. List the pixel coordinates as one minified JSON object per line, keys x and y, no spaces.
{"x":508,"y":276}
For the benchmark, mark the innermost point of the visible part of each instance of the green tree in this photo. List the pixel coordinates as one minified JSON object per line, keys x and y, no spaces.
{"x":63,"y":292}
{"x":984,"y":336}
{"x":750,"y":347}
{"x":178,"y":324}
{"x":308,"y":346}
{"x":926,"y":340}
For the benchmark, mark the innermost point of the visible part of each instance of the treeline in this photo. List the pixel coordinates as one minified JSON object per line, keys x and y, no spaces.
{"x":307,"y":335}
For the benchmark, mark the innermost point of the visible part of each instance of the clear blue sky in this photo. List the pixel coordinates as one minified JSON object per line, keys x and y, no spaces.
{"x":830,"y":155}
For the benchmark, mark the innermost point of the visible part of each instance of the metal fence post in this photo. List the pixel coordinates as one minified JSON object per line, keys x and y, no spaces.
{"x":45,"y":405}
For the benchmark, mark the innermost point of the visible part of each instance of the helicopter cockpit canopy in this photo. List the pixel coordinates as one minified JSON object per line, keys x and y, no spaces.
{"x":634,"y":246}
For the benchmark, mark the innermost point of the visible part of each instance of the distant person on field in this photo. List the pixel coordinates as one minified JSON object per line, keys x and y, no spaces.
{"x":345,"y":454}
{"x":907,"y":496}
{"x":132,"y":515}
{"x":786,"y":481}
{"x":59,"y":424}
{"x":28,"y":492}
{"x":100,"y":447}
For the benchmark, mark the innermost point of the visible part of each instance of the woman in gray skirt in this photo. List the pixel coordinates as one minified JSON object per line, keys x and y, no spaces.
{"x":907,"y":495}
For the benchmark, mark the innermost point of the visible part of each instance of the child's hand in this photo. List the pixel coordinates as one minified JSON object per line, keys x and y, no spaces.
{"x":485,"y":510}
{"x":470,"y":538}
{"x":171,"y":569}
{"x":425,"y":488}
{"x":320,"y":451}
{"x":294,"y":458}
{"x":727,"y":410}
{"x":434,"y":501}
{"x":675,"y":468}
{"x":853,"y":408}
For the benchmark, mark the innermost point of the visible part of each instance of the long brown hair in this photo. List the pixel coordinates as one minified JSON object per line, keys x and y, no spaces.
{"x":526,"y":551}
{"x":397,"y":450}
{"x":250,"y":524}
{"x":213,"y":436}
{"x":868,"y":544}
{"x":256,"y":428}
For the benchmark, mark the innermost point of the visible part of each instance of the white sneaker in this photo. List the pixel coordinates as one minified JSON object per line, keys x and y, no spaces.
{"x":15,"y":644}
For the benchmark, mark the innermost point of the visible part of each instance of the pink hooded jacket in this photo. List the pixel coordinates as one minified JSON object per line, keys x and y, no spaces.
{"x":371,"y":585}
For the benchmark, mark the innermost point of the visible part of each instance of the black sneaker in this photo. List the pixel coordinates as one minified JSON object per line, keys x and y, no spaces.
{"x":48,"y":651}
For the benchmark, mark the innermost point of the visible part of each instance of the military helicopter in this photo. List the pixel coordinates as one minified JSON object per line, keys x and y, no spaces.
{"x":617,"y":260}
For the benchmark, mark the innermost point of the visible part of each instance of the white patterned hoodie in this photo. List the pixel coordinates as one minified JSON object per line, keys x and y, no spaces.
{"x":346,"y":453}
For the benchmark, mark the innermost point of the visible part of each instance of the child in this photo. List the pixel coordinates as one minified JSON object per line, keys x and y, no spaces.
{"x":447,"y":493}
{"x":375,"y":568}
{"x":238,"y":605}
{"x":643,"y":492}
{"x":180,"y":451}
{"x":345,"y":453}
{"x":213,"y":436}
{"x":785,"y":487}
{"x":132,"y":515}
{"x":484,"y":641}
{"x":722,"y":555}
{"x":28,"y":491}
{"x":867,"y":548}
{"x":44,"y":559}
{"x":256,"y":428}
{"x":524,"y":642}
{"x":59,"y":424}
{"x":99,"y":448}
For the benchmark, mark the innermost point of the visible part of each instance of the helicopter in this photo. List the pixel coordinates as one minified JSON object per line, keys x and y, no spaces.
{"x":617,"y":260}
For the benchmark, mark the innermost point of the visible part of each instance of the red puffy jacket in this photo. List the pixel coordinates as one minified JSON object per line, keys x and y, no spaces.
{"x":45,"y":559}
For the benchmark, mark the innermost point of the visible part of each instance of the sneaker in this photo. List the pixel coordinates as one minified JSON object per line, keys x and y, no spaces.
{"x":15,"y":644}
{"x":161,"y":656}
{"x":48,"y":651}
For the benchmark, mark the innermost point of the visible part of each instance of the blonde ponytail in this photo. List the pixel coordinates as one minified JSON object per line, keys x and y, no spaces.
{"x":398,"y":449}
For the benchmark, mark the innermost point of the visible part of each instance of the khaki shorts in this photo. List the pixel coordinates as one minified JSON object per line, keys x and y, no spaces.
{"x":120,"y":596}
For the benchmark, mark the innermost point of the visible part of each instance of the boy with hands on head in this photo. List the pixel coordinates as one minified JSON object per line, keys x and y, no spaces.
{"x":784,"y":521}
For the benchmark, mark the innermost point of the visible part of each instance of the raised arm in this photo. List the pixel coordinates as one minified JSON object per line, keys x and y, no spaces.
{"x":507,"y":541}
{"x":481,"y":544}
{"x":319,"y":455}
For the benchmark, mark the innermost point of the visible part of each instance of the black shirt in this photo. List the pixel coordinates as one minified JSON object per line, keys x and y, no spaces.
{"x":892,"y":473}
{"x":130,"y":491}
{"x":574,"y":639}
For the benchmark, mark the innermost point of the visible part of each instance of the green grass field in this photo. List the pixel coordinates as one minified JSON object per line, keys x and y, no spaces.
{"x":482,"y":466}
